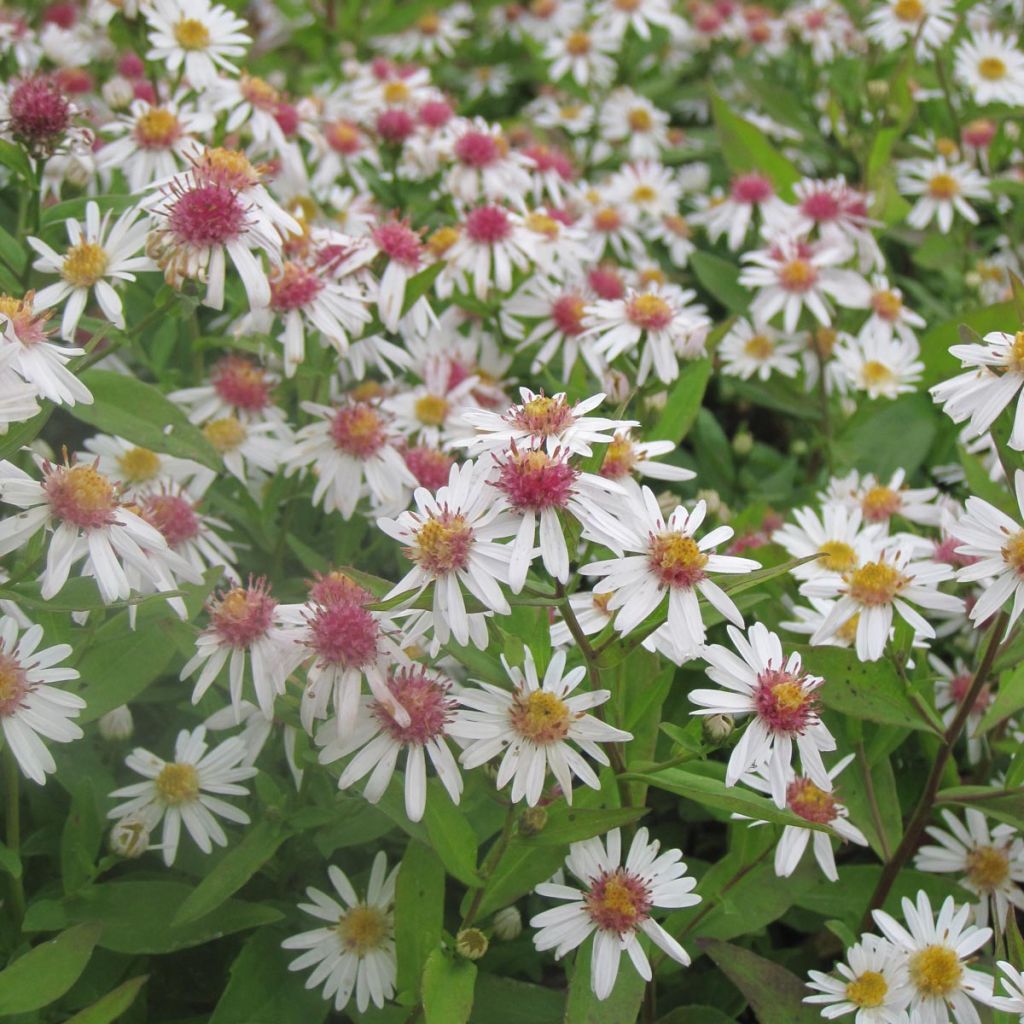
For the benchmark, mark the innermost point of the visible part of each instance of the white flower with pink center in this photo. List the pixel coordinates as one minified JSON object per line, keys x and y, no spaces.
{"x":671,"y":568}
{"x":189,"y":532}
{"x":881,"y":500}
{"x":246,"y":630}
{"x":751,"y":196}
{"x":239,"y":388}
{"x":379,"y":738}
{"x":612,"y":229}
{"x":451,"y":538}
{"x":952,"y":684}
{"x":493,"y":243}
{"x":661,"y":317}
{"x":89,"y":522}
{"x":404,"y":252}
{"x":792,"y":274}
{"x":536,"y":727}
{"x":614,"y":905}
{"x":351,"y":450}
{"x":780,"y":698}
{"x":483,"y":166}
{"x":32,"y":708}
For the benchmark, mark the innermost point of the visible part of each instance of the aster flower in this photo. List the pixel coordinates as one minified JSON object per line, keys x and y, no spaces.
{"x":196,"y":36}
{"x":32,"y":708}
{"x":247,"y":445}
{"x":97,"y":255}
{"x":189,"y":532}
{"x":747,"y":351}
{"x":614,"y":905}
{"x":880,"y":501}
{"x":493,"y":242}
{"x":378,"y":739}
{"x":535,"y":728}
{"x":838,"y":534}
{"x":991,"y":66}
{"x":952,"y":684}
{"x":626,"y":458}
{"x":187,"y":791}
{"x":944,"y":190}
{"x":354,"y":952}
{"x":882,"y":367}
{"x":584,"y":55}
{"x":937,"y":951}
{"x":670,"y":567}
{"x":484,"y":167}
{"x":141,"y":470}
{"x":1013,"y":985}
{"x":749,"y":195}
{"x":774,"y":689}
{"x":873,"y":984}
{"x":926,"y":23}
{"x":404,"y":252}
{"x":632,"y":125}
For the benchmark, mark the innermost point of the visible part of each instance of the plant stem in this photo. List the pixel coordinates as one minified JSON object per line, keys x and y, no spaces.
{"x":12,"y":812}
{"x":489,"y":866}
{"x":917,"y":823}
{"x":869,"y":790}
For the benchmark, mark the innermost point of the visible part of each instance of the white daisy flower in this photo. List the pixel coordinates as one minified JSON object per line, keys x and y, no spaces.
{"x":614,"y":905}
{"x":774,"y":689}
{"x":592,"y":615}
{"x":879,"y":366}
{"x":937,"y":951}
{"x":626,"y":458}
{"x":584,"y":55}
{"x":355,"y":951}
{"x":237,"y":387}
{"x":879,"y":501}
{"x":952,"y":684}
{"x":991,"y":66}
{"x":31,"y":706}
{"x":451,"y":539}
{"x":247,"y":445}
{"x":378,"y":738}
{"x":631,"y":126}
{"x":533,"y":728}
{"x":484,"y":167}
{"x":671,"y":566}
{"x":187,"y":790}
{"x":874,"y":590}
{"x":944,"y":190}
{"x":873,"y":984}
{"x":1013,"y":985}
{"x":991,"y":862}
{"x":838,"y":534}
{"x":750,"y":195}
{"x":196,"y":36}
{"x":747,"y":351}
{"x":97,"y":255}
{"x":640,"y":16}
{"x":889,"y":316}
{"x":995,"y":373}
{"x":926,"y":23}
{"x":996,"y":542}
{"x":493,"y":243}
{"x":141,"y":471}
{"x":813,"y":803}
{"x":189,"y":532}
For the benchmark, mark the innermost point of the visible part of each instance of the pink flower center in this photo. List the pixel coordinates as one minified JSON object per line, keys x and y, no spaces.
{"x":343,"y":137}
{"x":676,"y":559}
{"x":293,"y":286}
{"x":567,"y":313}
{"x":427,"y":701}
{"x":820,"y":206}
{"x":399,"y":242}
{"x":343,"y":633}
{"x":287,"y":118}
{"x":535,"y":480}
{"x":619,"y":458}
{"x":335,"y":587}
{"x":13,"y":684}
{"x":442,"y":544}
{"x":395,"y":125}
{"x":809,"y":802}
{"x":751,"y":188}
{"x":39,"y":111}
{"x":649,"y":311}
{"x":207,"y":215}
{"x":880,"y":504}
{"x":607,"y":282}
{"x":477,"y":149}
{"x":173,"y":515}
{"x":960,"y":685}
{"x":618,"y":901}
{"x":487,"y":225}
{"x":543,"y":416}
{"x":241,"y":383}
{"x":430,"y":466}
{"x":81,"y":496}
{"x":782,"y":701}
{"x":358,"y":430}
{"x":435,"y":113}
{"x":243,"y":614}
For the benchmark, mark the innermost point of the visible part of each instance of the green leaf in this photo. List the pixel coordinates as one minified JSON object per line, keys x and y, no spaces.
{"x":261,"y":989}
{"x":866,"y":690}
{"x":746,"y":148}
{"x":74,"y":209}
{"x":711,"y":792}
{"x":82,"y":834}
{"x":722,"y":279}
{"x":523,"y":865}
{"x":135,"y":916}
{"x":621,"y":1007}
{"x":233,"y":870}
{"x":448,"y":984}
{"x":418,"y":285}
{"x":1002,"y":804}
{"x":500,"y":1000}
{"x":696,"y":1015}
{"x":684,"y":401}
{"x":865,"y":442}
{"x":47,"y":971}
{"x":938,"y":363}
{"x":21,"y":434}
{"x":419,"y":912}
{"x":775,"y":995}
{"x":1009,"y":700}
{"x":138,"y":412}
{"x":884,"y":835}
{"x":16,"y":159}
{"x":11,"y":252}
{"x":112,"y":1005}
{"x":10,"y":862}
{"x":573,"y":824}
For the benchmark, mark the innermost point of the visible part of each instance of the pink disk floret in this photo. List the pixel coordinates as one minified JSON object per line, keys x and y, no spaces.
{"x":960,"y":685}
{"x":395,"y":125}
{"x":435,"y":113}
{"x":344,"y":633}
{"x":751,"y":188}
{"x":487,"y":225}
{"x":431,"y":466}
{"x":821,"y":206}
{"x":783,"y":701}
{"x":173,"y":515}
{"x":336,"y":588}
{"x":399,"y":242}
{"x":477,"y":149}
{"x":243,"y":614}
{"x":358,"y":430}
{"x":618,"y":901}
{"x":241,"y":383}
{"x":535,"y":480}
{"x":607,"y":282}
{"x":424,"y":697}
{"x":207,"y":215}
{"x":567,"y":313}
{"x":294,"y":287}
{"x":39,"y":111}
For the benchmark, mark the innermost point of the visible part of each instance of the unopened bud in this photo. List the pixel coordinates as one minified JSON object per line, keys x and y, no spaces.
{"x":118,"y":93}
{"x":117,"y":724}
{"x":711,"y":498}
{"x":718,"y":728}
{"x":129,"y":838}
{"x":508,"y":924}
{"x":742,"y":442}
{"x":798,"y":446}
{"x":616,"y":386}
{"x":1011,"y":130}
{"x":471,"y":943}
{"x":878,"y":88}
{"x":532,"y":821}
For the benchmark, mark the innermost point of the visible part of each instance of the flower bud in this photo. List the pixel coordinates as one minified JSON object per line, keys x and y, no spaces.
{"x":471,"y":943}
{"x":742,"y":442}
{"x":617,"y":386}
{"x":508,"y":924}
{"x":129,"y":838}
{"x":718,"y":728}
{"x":711,"y":498}
{"x":532,"y":821}
{"x":878,"y":88}
{"x":40,"y":114}
{"x":118,"y":93}
{"x":117,"y":724}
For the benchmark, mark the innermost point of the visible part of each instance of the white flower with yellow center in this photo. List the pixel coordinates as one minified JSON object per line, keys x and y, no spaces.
{"x":187,"y":790}
{"x":873,"y":984}
{"x":991,"y":862}
{"x":98,"y":254}
{"x":879,"y":501}
{"x":31,"y":706}
{"x":889,"y":316}
{"x":246,"y":445}
{"x":838,"y":534}
{"x":943,"y":190}
{"x":879,"y":366}
{"x":143,"y":471}
{"x":195,"y":36}
{"x":926,"y":23}
{"x":583,"y":54}
{"x":614,"y":904}
{"x":631,"y":126}
{"x":991,"y":66}
{"x":995,"y":374}
{"x":747,"y":351}
{"x":937,"y":951}
{"x":354,"y":951}
{"x":533,"y":727}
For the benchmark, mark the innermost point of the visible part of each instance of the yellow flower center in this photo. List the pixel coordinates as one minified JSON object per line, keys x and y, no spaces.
{"x":431,"y":410}
{"x":442,"y":544}
{"x":395,"y":92}
{"x":429,"y":24}
{"x":789,"y":696}
{"x":89,"y":489}
{"x":1013,"y":552}
{"x":868,"y":990}
{"x":12,"y":684}
{"x":542,"y":224}
{"x":442,"y":240}
{"x":837,"y":556}
{"x":363,"y":929}
{"x":258,"y":92}
{"x":944,"y":186}
{"x":677,"y":559}
{"x":228,"y":167}
{"x":191,"y":34}
{"x":577,"y":44}
{"x":887,"y":305}
{"x":539,"y":716}
{"x":992,"y":69}
{"x":988,"y":867}
{"x":640,"y":119}
{"x":946,"y":147}
{"x":157,"y":128}
{"x":760,"y":346}
{"x":880,"y":503}
{"x":649,"y":311}
{"x":875,"y":374}
{"x":644,"y":194}
{"x":936,"y":971}
{"x":908,"y":10}
{"x":876,"y":583}
{"x":138,"y":465}
{"x":178,"y":784}
{"x":797,"y":275}
{"x":84,"y":264}
{"x":226,"y":434}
